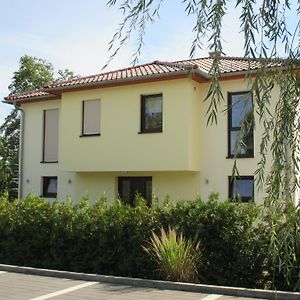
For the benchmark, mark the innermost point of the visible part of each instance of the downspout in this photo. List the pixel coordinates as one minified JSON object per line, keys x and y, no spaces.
{"x":21,"y":151}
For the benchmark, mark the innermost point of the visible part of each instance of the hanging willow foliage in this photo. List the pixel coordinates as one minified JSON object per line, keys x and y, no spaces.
{"x":265,"y":30}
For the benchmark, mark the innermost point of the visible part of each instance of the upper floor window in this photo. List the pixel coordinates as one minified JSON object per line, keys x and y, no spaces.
{"x":50,"y":140}
{"x":242,"y":188}
{"x":240,"y":125}
{"x":50,"y":187}
{"x":91,"y":118}
{"x":151,"y":113}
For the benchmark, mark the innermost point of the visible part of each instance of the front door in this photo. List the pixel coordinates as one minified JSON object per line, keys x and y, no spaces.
{"x":129,"y":187}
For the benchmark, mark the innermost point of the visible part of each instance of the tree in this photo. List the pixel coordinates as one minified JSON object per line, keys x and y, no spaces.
{"x":9,"y":154}
{"x":66,"y":74}
{"x":267,"y":38}
{"x":32,"y":74}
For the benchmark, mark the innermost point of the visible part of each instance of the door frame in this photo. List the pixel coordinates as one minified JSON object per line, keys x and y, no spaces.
{"x":143,"y":179}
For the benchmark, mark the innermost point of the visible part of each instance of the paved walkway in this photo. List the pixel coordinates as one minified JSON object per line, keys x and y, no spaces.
{"x":14,"y":286}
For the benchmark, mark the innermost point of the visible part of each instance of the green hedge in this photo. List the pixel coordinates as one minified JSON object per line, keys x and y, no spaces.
{"x":108,"y":239}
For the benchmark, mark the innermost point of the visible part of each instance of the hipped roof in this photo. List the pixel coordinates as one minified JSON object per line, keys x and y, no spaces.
{"x":199,"y":69}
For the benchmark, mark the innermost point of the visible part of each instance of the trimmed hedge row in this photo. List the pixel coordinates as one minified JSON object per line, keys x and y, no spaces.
{"x":108,"y":239}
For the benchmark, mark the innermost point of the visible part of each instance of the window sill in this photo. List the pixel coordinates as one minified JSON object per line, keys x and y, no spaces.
{"x":88,"y":135}
{"x":49,"y":162}
{"x":152,"y":131}
{"x":239,"y":156}
{"x":243,"y":200}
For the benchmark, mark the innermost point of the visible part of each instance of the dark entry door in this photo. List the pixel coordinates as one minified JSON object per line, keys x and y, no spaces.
{"x":129,"y":187}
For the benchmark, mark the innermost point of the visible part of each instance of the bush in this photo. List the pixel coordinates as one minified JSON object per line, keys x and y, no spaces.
{"x":108,"y":239}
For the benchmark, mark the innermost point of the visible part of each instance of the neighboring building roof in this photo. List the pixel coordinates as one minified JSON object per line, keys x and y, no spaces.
{"x":229,"y":66}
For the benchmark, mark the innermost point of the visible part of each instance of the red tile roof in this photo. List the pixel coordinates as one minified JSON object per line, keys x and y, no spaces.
{"x":25,"y":95}
{"x":202,"y":66}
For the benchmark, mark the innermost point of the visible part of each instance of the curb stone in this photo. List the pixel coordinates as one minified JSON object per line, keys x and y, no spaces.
{"x":137,"y":282}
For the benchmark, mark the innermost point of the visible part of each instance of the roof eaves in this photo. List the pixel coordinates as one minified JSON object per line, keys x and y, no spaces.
{"x":29,"y":99}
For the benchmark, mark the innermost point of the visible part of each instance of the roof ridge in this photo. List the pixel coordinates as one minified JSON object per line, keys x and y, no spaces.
{"x":175,"y":64}
{"x":252,"y":58}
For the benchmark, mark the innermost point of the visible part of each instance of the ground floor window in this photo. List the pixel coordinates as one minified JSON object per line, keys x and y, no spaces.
{"x":129,"y":187}
{"x":242,"y":188}
{"x":50,"y":187}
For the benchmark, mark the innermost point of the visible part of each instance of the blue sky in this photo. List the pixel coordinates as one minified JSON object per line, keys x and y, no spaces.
{"x":75,"y":34}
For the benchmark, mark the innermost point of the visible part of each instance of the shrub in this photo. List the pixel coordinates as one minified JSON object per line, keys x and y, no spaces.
{"x":108,"y":239}
{"x":176,"y":257}
{"x":284,"y":247}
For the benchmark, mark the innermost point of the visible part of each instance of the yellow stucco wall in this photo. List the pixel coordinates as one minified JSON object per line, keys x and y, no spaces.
{"x":120,"y":146}
{"x":215,"y":166}
{"x":176,"y":185}
{"x":33,"y":169}
{"x":187,"y":159}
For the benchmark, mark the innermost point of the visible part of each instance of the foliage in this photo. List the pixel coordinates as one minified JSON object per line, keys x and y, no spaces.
{"x":228,"y":236}
{"x":269,"y":39}
{"x":9,"y":154}
{"x":65,"y":74}
{"x":108,"y":239}
{"x":284,"y":248}
{"x":176,"y":257}
{"x":33,"y":73}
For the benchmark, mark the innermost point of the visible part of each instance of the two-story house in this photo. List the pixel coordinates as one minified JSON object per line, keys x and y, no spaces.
{"x":140,"y":129}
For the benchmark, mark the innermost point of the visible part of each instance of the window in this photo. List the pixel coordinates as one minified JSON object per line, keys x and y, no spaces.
{"x":151,"y":113}
{"x":241,"y":188}
{"x":50,"y":142}
{"x":129,"y":187}
{"x":91,"y":118}
{"x":240,"y":125}
{"x":50,"y":187}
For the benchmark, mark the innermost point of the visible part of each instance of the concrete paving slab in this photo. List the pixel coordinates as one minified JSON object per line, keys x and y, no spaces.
{"x":24,"y":283}
{"x":16,"y":286}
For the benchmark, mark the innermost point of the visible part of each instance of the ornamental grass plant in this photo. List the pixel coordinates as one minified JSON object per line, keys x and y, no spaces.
{"x":177,"y":258}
